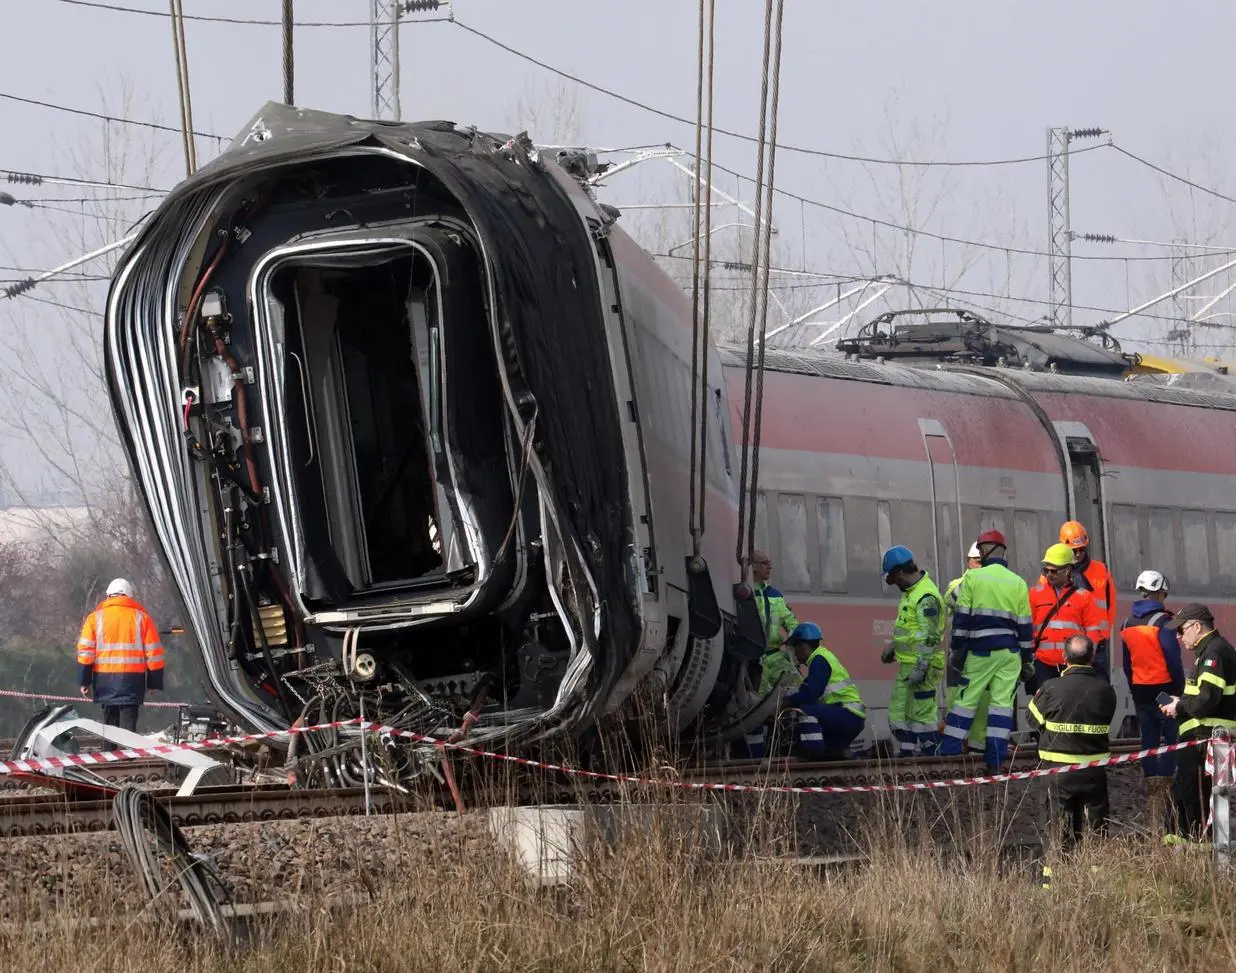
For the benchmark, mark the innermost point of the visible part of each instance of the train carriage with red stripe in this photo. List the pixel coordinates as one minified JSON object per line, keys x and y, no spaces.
{"x":859,"y":455}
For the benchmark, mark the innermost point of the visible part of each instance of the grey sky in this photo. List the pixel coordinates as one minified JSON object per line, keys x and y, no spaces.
{"x":947,"y":80}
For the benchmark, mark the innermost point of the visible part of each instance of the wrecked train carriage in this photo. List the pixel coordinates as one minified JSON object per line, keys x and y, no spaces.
{"x":410,"y":416}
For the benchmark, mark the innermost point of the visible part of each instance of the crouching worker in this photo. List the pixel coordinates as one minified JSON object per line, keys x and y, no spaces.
{"x":832,"y":709}
{"x":1074,"y":715}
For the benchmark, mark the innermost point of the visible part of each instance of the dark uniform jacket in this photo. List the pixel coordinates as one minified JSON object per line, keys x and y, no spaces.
{"x":1074,"y":715}
{"x":1209,"y":698}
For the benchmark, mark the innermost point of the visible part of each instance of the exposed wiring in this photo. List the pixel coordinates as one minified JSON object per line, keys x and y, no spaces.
{"x":137,"y":815}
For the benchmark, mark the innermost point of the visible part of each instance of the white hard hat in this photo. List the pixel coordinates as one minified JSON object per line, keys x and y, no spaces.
{"x":974,"y":551}
{"x":119,"y":586}
{"x":1151,"y":581}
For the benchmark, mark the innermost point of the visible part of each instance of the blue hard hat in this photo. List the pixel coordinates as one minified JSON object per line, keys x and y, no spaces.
{"x":895,"y":557}
{"x":806,"y":632}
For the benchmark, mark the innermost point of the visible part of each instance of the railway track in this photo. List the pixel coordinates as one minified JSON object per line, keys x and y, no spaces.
{"x":481,"y":784}
{"x":128,"y":771}
{"x":39,"y":814}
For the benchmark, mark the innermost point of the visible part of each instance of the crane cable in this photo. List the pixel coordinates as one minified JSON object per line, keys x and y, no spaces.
{"x":762,"y":247}
{"x":181,"y":54}
{"x":703,"y":231}
{"x":288,"y":62}
{"x":763,"y":313}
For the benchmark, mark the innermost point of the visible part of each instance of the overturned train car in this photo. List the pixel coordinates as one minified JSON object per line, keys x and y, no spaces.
{"x":384,"y":389}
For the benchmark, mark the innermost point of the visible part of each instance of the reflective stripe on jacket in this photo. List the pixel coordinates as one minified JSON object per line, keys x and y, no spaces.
{"x":775,"y":614}
{"x":1078,"y":614}
{"x":1074,"y":715}
{"x":840,"y":689}
{"x":918,"y":630}
{"x":119,"y":652}
{"x":1099,"y":581}
{"x":1209,"y":698}
{"x":993,"y":611}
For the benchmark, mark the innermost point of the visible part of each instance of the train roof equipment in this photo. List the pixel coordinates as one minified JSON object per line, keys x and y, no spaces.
{"x":961,"y":336}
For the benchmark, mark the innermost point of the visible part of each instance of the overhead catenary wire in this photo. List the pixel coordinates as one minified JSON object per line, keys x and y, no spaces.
{"x":104,"y":117}
{"x":730,"y":133}
{"x":1172,"y":175}
{"x":18,"y":177}
{"x":212,"y":18}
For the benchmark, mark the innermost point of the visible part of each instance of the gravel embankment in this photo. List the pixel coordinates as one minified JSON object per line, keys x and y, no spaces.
{"x":84,"y":874}
{"x":259,"y":861}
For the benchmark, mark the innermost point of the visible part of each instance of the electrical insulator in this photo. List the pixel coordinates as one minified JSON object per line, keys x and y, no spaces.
{"x":1085,"y":133}
{"x":24,"y":177}
{"x":20,"y":287}
{"x":421,"y":6}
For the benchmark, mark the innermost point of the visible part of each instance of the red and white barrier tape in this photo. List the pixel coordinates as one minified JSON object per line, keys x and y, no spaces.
{"x":14,"y":694}
{"x":926,"y":785}
{"x":163,"y":749}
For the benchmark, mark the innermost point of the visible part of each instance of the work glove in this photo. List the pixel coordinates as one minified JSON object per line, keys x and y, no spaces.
{"x":956,"y":664}
{"x":889,"y":653}
{"x":1027,"y":670}
{"x":918,"y":673}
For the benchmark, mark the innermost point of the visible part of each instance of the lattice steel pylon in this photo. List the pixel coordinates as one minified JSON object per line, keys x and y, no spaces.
{"x":1059,"y":231}
{"x":1181,"y":334}
{"x":1059,"y":243}
{"x":384,"y":31}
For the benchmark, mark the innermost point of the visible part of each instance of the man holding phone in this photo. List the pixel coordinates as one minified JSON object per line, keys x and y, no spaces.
{"x":1208,"y":702}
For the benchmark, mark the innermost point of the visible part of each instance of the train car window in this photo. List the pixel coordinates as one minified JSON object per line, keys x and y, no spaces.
{"x":1197,"y":547}
{"x":862,"y":536}
{"x":793,"y":570}
{"x":1027,"y":544}
{"x":1225,"y":548}
{"x":830,"y":530}
{"x":952,"y":561}
{"x":1126,"y":546}
{"x":1163,"y":543}
{"x":911,"y":526}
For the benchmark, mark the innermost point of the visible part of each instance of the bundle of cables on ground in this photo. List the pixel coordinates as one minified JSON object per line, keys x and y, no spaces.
{"x":139,"y":818}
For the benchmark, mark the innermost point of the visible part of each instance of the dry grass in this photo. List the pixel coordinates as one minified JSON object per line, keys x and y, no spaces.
{"x":652,"y":902}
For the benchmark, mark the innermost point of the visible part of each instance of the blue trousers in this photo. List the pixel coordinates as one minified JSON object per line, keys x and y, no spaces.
{"x":822,"y":732}
{"x":1157,"y":731}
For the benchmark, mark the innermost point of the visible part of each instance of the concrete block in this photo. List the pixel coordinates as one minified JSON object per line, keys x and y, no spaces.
{"x":549,"y":840}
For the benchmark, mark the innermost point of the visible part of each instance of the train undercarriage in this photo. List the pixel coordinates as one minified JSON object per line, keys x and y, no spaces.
{"x":337,"y":358}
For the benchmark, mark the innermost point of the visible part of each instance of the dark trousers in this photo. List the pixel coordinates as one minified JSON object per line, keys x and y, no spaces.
{"x":826,"y":731}
{"x":123,"y":717}
{"x":1079,"y":803}
{"x":1157,"y":731}
{"x":1191,"y":792}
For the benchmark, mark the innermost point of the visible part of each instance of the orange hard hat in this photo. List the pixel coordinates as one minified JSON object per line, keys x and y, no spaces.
{"x":1074,"y":534}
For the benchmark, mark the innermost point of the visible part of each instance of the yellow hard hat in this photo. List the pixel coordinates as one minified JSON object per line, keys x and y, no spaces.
{"x":1058,"y":555}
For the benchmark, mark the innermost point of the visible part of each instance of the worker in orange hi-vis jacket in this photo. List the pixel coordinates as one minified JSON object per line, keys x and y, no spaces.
{"x":120,"y":656}
{"x":1093,"y":576}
